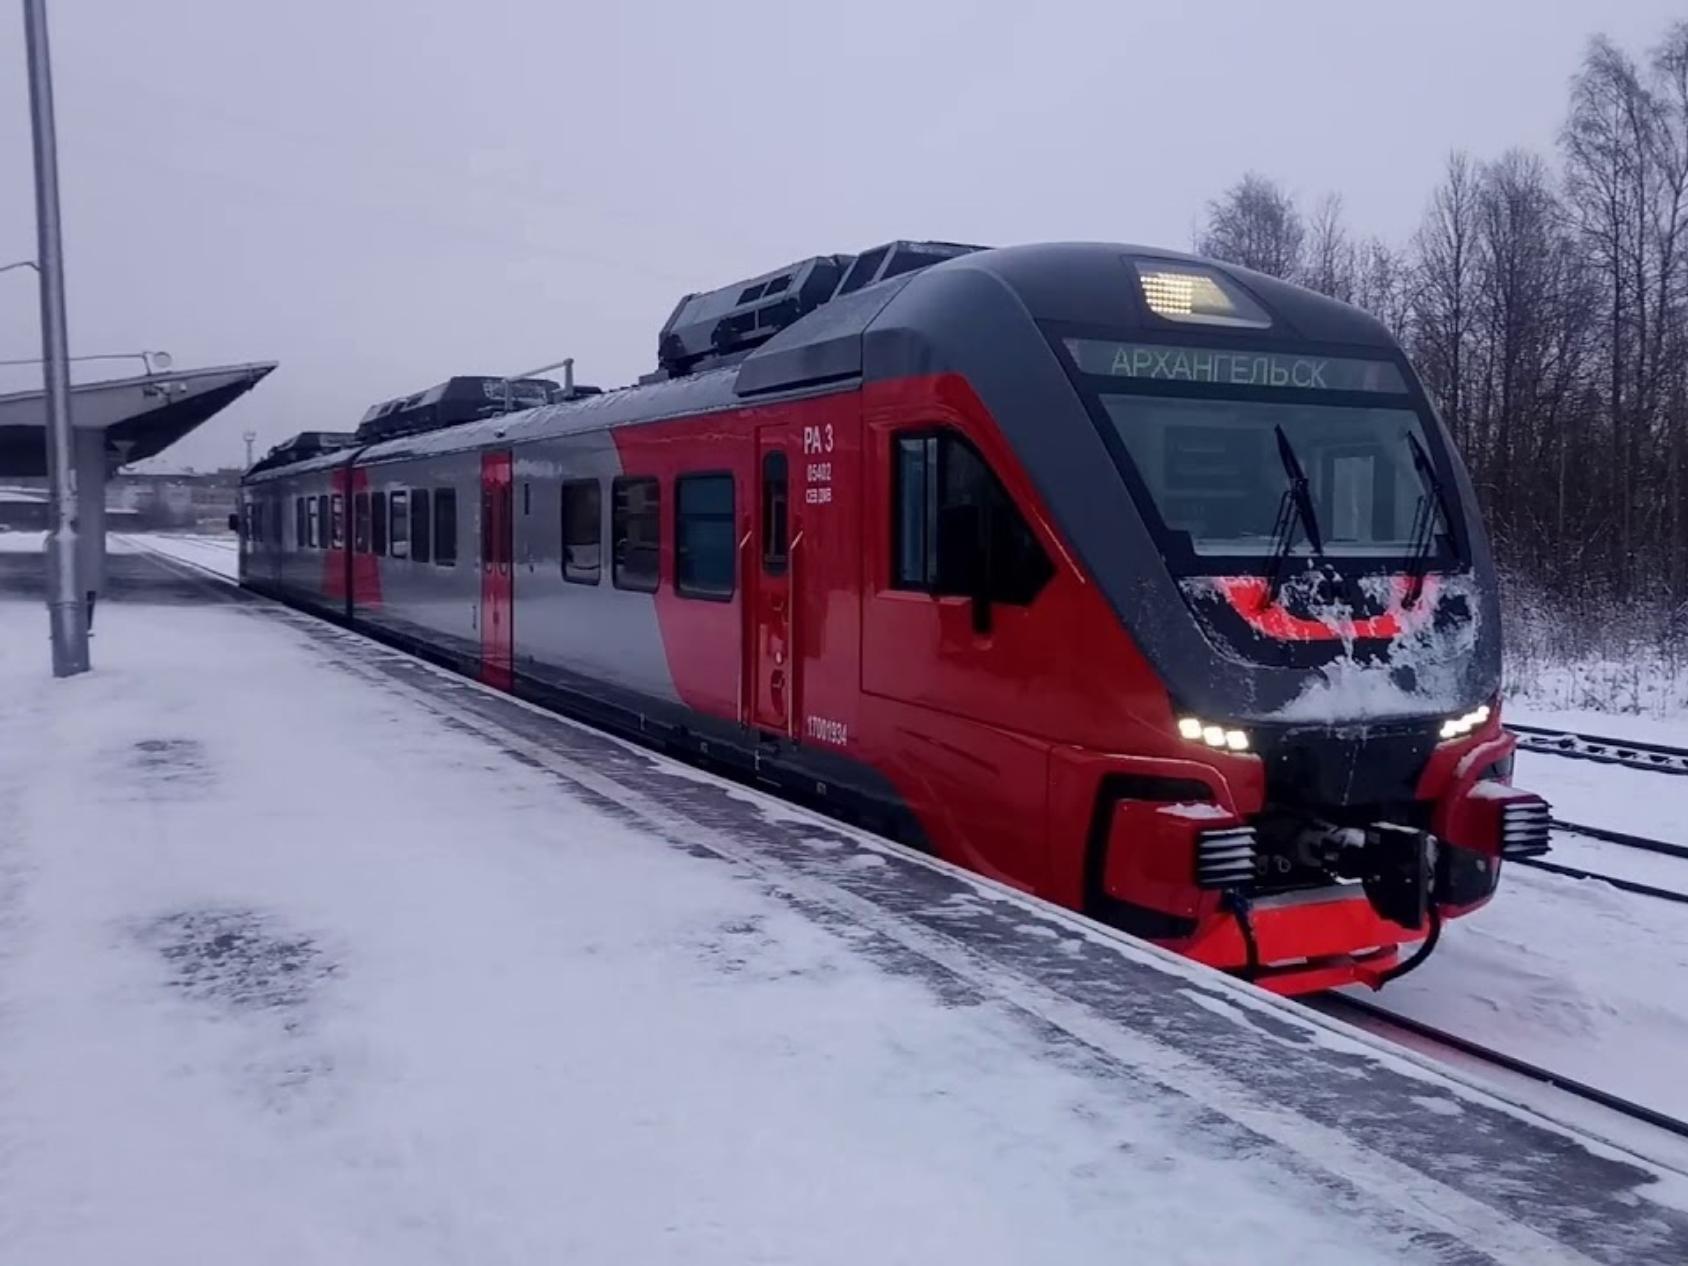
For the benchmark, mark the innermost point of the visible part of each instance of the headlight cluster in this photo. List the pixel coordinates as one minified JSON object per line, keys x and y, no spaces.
{"x":1213,"y":735}
{"x":1453,"y":727}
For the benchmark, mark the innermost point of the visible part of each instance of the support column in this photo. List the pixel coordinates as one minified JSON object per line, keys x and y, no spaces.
{"x":90,"y":513}
{"x":67,"y":616}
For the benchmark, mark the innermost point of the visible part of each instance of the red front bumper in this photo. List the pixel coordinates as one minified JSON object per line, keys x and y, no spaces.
{"x":1311,"y":940}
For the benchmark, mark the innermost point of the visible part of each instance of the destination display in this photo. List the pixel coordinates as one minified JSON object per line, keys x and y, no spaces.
{"x":1161,"y":362}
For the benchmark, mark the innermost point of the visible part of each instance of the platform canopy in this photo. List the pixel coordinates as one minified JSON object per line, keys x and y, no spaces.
{"x":138,"y":417}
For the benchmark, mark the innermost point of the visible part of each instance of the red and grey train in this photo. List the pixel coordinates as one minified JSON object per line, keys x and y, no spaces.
{"x":1141,"y":582}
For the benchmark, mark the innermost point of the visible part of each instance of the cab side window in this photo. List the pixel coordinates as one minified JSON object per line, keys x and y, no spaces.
{"x":954,"y":528}
{"x":776,"y":527}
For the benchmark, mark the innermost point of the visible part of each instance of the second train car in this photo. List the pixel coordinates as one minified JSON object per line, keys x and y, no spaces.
{"x":1138,"y":581}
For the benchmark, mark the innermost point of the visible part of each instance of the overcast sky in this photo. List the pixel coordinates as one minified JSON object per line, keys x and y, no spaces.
{"x":382,"y":193}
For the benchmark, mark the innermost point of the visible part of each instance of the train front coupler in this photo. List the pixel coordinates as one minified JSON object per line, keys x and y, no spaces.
{"x":1395,"y":864}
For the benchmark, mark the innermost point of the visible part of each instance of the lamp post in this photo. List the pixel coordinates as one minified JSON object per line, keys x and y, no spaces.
{"x":67,"y":615}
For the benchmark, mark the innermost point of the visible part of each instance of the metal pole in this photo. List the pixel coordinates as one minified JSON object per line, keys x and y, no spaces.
{"x":66,"y":614}
{"x":566,"y":365}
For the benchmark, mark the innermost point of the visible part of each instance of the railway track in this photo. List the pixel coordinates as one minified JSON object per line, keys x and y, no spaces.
{"x":1337,"y":1003}
{"x":1633,"y":754}
{"x":1639,"y":843}
{"x":1658,"y":758}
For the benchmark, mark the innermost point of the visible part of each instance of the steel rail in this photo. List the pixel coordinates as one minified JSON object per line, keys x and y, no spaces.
{"x":1627,"y":885}
{"x":1500,"y":1059}
{"x":1659,"y":758}
{"x":1663,"y":847}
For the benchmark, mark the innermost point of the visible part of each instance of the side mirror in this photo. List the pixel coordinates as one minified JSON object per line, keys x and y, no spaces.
{"x":234,"y":523}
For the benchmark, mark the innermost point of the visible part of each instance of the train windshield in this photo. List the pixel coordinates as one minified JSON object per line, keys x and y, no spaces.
{"x":1215,"y":439}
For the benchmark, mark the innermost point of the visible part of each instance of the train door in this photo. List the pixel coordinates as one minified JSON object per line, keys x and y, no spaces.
{"x":770,"y":637}
{"x":497,"y":606}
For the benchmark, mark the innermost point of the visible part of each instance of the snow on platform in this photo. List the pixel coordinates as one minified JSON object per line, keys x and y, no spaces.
{"x":218,"y":554}
{"x":311,"y":953}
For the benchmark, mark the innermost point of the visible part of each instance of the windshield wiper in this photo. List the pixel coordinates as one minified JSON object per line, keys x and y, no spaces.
{"x":1430,"y":506}
{"x":1296,"y":504}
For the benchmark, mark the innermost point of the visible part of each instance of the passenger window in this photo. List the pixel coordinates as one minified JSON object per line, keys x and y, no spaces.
{"x":298,"y":523}
{"x":704,"y":540}
{"x":955,"y":529}
{"x":583,"y":527}
{"x":378,"y":522}
{"x":360,"y":522}
{"x":398,"y":537}
{"x":636,"y":513}
{"x":420,"y":526}
{"x":445,"y":527}
{"x":776,"y":546}
{"x":337,"y":518}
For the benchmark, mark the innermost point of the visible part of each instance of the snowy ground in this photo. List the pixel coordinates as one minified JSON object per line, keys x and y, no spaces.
{"x":1639,"y":801}
{"x":21,"y":542}
{"x":1571,"y":974}
{"x":218,"y":553}
{"x":1575,"y":976}
{"x":1568,"y":998}
{"x":271,"y":1004}
{"x":1672,"y":730}
{"x":1547,"y":971}
{"x":294,"y":970}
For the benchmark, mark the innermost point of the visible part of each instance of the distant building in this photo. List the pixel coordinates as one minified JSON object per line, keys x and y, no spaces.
{"x":133,"y":502}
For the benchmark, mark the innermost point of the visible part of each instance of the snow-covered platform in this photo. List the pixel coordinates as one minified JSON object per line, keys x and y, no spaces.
{"x":311,"y":953}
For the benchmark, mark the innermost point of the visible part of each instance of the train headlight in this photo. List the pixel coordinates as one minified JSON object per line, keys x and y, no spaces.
{"x":1221,"y":737}
{"x":1455,"y":727}
{"x":1193,"y":294}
